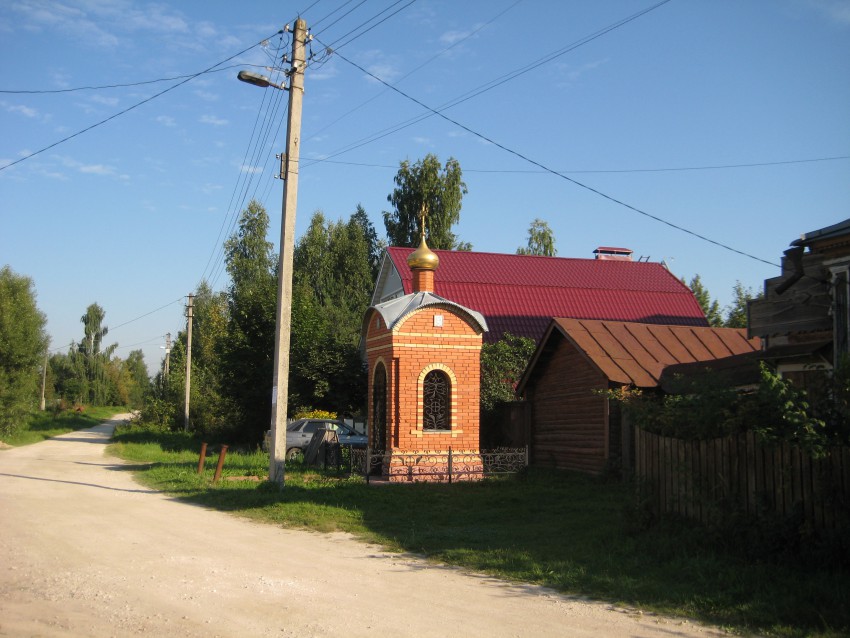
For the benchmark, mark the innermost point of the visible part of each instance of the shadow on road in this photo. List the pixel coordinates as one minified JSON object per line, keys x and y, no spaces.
{"x":103,"y":487}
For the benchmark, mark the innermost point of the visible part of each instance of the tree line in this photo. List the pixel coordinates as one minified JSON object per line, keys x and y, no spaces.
{"x":336,"y":264}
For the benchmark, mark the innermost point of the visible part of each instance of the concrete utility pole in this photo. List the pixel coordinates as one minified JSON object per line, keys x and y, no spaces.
{"x":43,"y":405}
{"x":283,"y":319}
{"x":189,"y":315}
{"x":167,"y":353}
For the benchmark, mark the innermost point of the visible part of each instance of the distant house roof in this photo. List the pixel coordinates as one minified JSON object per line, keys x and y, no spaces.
{"x":521,"y":293}
{"x":841,"y":229}
{"x":637,"y":353}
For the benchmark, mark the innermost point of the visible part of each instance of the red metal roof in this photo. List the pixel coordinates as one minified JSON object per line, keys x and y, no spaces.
{"x":521,"y":293}
{"x":637,"y":353}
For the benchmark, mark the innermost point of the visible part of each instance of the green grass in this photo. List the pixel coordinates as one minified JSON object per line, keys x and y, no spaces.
{"x":43,"y":425}
{"x":561,"y":530}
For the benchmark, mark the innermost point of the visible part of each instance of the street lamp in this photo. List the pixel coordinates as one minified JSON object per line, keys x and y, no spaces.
{"x":289,"y":174}
{"x":258,"y":80}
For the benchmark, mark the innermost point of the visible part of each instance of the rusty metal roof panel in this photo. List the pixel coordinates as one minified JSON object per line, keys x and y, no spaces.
{"x":637,"y":354}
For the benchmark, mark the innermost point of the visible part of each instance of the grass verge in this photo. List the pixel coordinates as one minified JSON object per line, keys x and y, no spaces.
{"x":562,"y":530}
{"x":43,"y":425}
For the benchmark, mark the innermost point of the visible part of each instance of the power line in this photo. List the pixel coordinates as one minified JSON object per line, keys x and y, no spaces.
{"x":121,"y":325}
{"x":217,"y":252}
{"x":488,"y":86}
{"x":711,"y":167}
{"x":170,"y":303}
{"x":414,"y":70}
{"x":128,"y":84}
{"x":554,"y":172}
{"x":141,"y":343}
{"x":315,"y":24}
{"x":347,"y":42}
{"x":128,"y":109}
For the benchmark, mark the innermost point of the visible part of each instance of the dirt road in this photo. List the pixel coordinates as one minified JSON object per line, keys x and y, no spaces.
{"x":87,"y":551}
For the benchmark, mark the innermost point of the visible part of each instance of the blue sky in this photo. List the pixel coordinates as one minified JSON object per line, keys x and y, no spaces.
{"x":131,"y":214}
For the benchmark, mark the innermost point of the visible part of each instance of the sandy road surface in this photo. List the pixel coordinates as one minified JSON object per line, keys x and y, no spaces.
{"x":86,"y":551}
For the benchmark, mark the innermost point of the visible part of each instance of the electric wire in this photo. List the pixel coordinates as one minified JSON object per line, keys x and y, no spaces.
{"x":141,"y":343}
{"x":347,"y":42}
{"x":415,"y":69}
{"x":260,"y":146}
{"x":147,"y":314}
{"x":310,"y":7}
{"x":493,"y":83}
{"x":246,"y":163}
{"x":362,"y":2}
{"x":609,"y":171}
{"x":130,"y":84}
{"x":556,"y":173}
{"x":125,"y":323}
{"x":128,"y":109}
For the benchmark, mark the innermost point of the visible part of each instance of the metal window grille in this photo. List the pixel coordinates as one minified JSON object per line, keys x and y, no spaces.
{"x":436,"y":392}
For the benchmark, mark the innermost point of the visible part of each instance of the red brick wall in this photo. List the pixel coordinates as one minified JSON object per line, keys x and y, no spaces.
{"x":413,"y":348}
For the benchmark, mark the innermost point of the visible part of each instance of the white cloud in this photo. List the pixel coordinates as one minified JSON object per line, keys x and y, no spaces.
{"x":571,"y":73}
{"x":108,"y":101}
{"x":206,"y":95}
{"x":209,"y":189}
{"x":250,"y":169}
{"x":166,"y":120}
{"x":20,"y":108}
{"x":835,"y":10}
{"x":211,"y":119}
{"x":96,"y":169}
{"x":102,"y":170}
{"x":156,"y":18}
{"x":453,"y":37}
{"x":381,"y":65}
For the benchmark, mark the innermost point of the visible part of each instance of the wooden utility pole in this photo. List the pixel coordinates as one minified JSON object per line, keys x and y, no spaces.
{"x":283,"y":320}
{"x":189,"y":315}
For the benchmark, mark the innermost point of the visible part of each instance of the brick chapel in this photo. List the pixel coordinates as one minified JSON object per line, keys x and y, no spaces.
{"x":424,"y":362}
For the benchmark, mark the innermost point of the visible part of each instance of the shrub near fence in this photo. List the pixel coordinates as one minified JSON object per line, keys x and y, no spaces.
{"x":697,"y":479}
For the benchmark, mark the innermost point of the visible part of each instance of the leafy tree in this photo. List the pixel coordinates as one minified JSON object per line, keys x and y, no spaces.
{"x":22,"y":345}
{"x":439,"y":190}
{"x":374,"y":245}
{"x":331,"y":291}
{"x":66,"y":382}
{"x":212,"y":411}
{"x":541,"y":241}
{"x":736,"y":312}
{"x":248,"y":355}
{"x":710,"y":307}
{"x":139,"y":382}
{"x":90,"y":360}
{"x":502,"y":365}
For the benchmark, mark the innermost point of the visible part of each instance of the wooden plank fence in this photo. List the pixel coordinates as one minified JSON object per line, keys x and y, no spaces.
{"x":701,"y":479}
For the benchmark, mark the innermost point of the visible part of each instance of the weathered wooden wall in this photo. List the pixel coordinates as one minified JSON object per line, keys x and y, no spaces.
{"x":692,"y":478}
{"x":569,"y":424}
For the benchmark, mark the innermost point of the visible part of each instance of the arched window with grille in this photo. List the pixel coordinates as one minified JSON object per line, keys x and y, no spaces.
{"x":436,"y":394}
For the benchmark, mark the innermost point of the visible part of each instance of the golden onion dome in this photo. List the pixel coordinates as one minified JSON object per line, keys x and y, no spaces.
{"x":423,"y":258}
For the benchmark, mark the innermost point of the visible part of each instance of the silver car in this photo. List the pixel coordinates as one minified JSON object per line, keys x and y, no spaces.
{"x":299,"y":434}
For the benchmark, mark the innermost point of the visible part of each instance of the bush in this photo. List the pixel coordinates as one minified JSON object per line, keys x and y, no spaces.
{"x":705,"y":407}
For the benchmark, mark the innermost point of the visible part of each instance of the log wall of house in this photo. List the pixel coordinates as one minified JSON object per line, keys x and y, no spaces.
{"x":569,"y":423}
